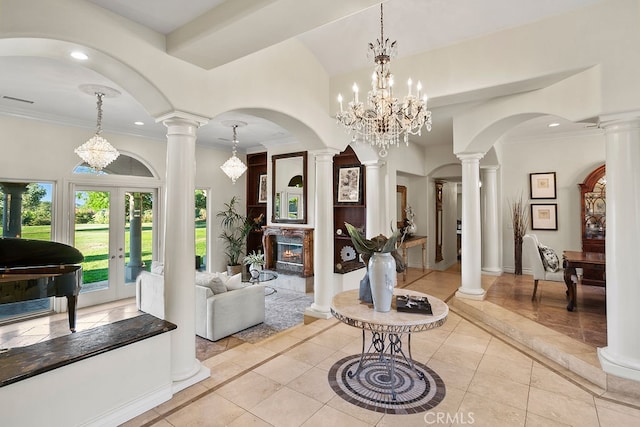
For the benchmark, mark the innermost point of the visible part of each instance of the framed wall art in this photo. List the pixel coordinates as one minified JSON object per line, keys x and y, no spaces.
{"x":349,"y":183}
{"x":262,"y":189}
{"x":544,"y":216}
{"x":542,"y":185}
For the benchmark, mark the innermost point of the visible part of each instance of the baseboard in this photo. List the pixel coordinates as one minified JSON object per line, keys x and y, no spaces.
{"x":132,"y":409}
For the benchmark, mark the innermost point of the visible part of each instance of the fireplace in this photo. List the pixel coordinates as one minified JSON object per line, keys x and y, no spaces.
{"x":289,"y":250}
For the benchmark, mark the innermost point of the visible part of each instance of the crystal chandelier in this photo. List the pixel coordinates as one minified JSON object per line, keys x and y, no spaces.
{"x":97,"y":152}
{"x":234,"y":168}
{"x":383,"y":120}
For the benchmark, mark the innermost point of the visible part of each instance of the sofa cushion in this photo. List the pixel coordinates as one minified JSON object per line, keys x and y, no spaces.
{"x":213,"y":281}
{"x":157,"y":267}
{"x":235,"y":282}
{"x":549,"y":258}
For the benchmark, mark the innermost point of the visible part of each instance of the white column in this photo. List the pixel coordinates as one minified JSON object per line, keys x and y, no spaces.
{"x":179,"y":251}
{"x":471,"y":276}
{"x":375,"y":206}
{"x":490,"y":222}
{"x":621,"y":356}
{"x":323,"y":236}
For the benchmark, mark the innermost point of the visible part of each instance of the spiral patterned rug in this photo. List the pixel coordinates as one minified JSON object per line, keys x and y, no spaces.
{"x":370,"y":389}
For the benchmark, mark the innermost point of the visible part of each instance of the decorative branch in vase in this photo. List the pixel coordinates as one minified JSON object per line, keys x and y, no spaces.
{"x":519,"y":221}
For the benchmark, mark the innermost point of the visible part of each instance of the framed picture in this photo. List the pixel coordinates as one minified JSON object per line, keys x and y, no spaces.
{"x":542,"y":185}
{"x":544,"y":216}
{"x":349,"y":184}
{"x":262,"y":189}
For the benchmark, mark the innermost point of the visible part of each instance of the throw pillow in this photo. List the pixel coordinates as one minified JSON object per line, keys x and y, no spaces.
{"x":235,"y":282}
{"x":212,"y":281}
{"x":157,"y":267}
{"x":549,"y":258}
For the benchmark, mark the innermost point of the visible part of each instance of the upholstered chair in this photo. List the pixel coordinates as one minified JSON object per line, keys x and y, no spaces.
{"x":531,"y":250}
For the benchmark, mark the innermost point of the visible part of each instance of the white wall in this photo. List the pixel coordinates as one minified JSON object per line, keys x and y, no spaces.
{"x":572,"y":159}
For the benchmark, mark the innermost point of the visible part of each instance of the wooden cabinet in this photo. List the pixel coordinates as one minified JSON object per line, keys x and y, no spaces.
{"x":593,"y":218}
{"x":256,"y":197}
{"x":351,"y":208}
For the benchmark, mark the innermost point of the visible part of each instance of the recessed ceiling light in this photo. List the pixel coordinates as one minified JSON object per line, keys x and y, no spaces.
{"x":79,"y":55}
{"x":138,"y":123}
{"x":552,"y":125}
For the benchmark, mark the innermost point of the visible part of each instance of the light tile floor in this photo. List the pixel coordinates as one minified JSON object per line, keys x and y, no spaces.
{"x":282,"y":381}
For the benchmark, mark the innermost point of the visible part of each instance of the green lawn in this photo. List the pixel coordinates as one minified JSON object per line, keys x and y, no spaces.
{"x":93,"y":239}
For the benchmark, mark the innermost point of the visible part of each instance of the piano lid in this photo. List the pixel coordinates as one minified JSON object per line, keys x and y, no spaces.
{"x":32,"y":253}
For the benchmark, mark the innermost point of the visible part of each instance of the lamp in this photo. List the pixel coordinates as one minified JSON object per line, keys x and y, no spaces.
{"x":384,"y":119}
{"x":233,"y":167}
{"x":97,"y":152}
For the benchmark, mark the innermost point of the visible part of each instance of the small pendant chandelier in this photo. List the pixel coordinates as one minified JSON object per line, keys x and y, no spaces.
{"x":97,"y":152}
{"x":383,"y":120}
{"x":234,"y":168}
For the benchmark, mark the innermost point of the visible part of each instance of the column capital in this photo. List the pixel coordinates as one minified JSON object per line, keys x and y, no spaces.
{"x":374,"y":163}
{"x":324,"y":154}
{"x":470,"y":156}
{"x":180,"y":118}
{"x":492,"y":168}
{"x":618,"y":119}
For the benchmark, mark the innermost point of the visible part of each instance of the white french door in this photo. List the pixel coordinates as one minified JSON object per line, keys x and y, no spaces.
{"x":113,"y":228}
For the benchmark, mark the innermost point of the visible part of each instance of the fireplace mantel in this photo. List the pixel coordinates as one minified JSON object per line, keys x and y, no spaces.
{"x":296,"y":235}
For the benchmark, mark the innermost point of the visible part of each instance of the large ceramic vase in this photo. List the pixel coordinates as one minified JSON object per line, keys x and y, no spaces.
{"x":254,"y":270}
{"x":382,"y":276}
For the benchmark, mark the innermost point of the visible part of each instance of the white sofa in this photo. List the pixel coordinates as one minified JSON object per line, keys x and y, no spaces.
{"x":217,"y":314}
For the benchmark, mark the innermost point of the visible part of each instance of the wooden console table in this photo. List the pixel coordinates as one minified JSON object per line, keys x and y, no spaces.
{"x":573,"y":260}
{"x":410,"y":242}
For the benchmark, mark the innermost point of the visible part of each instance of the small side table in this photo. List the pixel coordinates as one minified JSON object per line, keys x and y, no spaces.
{"x":387,"y":330}
{"x":410,"y":242}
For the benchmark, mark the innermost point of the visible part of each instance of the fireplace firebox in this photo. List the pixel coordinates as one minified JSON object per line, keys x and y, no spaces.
{"x":289,"y":250}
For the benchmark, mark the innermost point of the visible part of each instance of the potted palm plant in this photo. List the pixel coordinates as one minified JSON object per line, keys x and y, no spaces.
{"x":235,"y":229}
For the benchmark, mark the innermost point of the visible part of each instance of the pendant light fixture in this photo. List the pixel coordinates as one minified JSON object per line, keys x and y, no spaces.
{"x":233,"y":167}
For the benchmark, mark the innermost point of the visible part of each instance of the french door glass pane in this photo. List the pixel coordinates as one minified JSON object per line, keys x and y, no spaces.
{"x":138,"y":234}
{"x":92,"y":238}
{"x":201,"y":229}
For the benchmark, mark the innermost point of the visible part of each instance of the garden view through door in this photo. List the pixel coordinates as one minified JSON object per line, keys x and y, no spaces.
{"x":113,"y":229}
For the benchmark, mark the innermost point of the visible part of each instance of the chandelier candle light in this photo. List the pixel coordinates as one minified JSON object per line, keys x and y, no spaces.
{"x":233,"y":167}
{"x":384,"y":119}
{"x":97,"y":152}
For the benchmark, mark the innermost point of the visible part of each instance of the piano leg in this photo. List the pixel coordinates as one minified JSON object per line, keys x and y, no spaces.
{"x":71,"y":307}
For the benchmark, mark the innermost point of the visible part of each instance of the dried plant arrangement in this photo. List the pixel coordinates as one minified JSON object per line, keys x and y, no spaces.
{"x":520,"y":222}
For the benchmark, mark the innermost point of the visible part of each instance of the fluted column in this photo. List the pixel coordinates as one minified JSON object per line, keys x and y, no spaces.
{"x":375,"y":202}
{"x":323,"y":235}
{"x":179,"y":251}
{"x":471,"y":275}
{"x":621,"y":356}
{"x":490,"y":222}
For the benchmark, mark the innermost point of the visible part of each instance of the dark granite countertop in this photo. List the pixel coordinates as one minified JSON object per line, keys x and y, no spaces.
{"x":19,"y":363}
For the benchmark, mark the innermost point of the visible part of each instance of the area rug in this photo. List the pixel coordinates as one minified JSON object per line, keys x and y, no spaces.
{"x":283,"y":310}
{"x":371,"y":387}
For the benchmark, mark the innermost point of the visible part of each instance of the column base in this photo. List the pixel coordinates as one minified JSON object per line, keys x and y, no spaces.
{"x":474,"y":294}
{"x":317,"y":312}
{"x":612,"y":366}
{"x":492,"y":271}
{"x":199,"y":373}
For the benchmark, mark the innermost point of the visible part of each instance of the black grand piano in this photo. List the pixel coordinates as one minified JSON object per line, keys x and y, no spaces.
{"x":34,"y":269}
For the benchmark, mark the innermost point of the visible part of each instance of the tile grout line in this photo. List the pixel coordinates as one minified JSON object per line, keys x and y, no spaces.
{"x":235,"y":377}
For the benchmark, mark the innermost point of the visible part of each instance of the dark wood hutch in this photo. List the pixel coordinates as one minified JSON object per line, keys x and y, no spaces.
{"x":593,"y":218}
{"x":345,"y":258}
{"x":255,"y":204}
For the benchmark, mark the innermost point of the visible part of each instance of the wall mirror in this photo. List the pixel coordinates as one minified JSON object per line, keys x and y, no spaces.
{"x":401,"y":204}
{"x":289,"y":172}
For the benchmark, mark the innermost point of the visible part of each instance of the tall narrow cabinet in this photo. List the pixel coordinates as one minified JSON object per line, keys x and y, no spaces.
{"x":349,"y":205}
{"x":256,"y":197}
{"x":594,"y":220}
